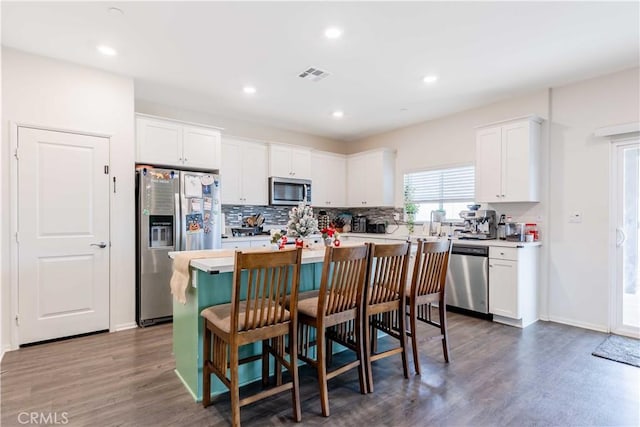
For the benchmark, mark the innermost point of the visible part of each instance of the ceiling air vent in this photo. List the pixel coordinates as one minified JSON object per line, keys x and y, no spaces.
{"x":313,"y":74}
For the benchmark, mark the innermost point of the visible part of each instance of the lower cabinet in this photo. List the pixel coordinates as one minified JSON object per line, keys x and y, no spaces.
{"x":513,"y":285}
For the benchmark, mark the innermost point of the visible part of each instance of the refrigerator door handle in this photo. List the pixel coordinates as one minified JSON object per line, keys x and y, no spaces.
{"x":178,"y":223}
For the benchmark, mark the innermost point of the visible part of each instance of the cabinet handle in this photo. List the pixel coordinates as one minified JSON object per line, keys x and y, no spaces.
{"x":180,"y":158}
{"x":185,"y":159}
{"x":490,"y":265}
{"x":497,"y":195}
{"x":502,"y":195}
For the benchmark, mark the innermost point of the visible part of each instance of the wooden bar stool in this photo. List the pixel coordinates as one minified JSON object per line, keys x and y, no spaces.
{"x":427,"y":287}
{"x":385,"y":310}
{"x":335,"y":312}
{"x":262,"y":316}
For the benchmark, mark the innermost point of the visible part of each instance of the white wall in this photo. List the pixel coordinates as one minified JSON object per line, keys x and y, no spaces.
{"x":575,"y":166}
{"x":580,"y":167}
{"x":241,"y":128}
{"x":51,"y":93}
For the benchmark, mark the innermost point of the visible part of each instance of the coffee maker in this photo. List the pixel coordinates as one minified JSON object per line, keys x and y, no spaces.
{"x":479,"y":225}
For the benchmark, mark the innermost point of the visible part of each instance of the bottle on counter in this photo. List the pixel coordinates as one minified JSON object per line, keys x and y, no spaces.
{"x":502,"y":232}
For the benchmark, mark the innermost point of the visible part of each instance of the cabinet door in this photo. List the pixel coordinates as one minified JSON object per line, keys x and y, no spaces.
{"x":236,"y":244}
{"x":356,"y":183}
{"x":201,"y":147}
{"x":231,"y":173}
{"x":255,"y":179}
{"x":301,"y":163}
{"x":336,"y":170}
{"x":266,"y":243}
{"x":503,"y":288}
{"x":516,"y":163}
{"x":280,"y":161}
{"x":489,"y":165}
{"x":320,"y":186}
{"x":158,"y":142}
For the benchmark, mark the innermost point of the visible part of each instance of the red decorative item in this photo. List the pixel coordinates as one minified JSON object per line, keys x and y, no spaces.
{"x":336,"y":243}
{"x":299,"y":243}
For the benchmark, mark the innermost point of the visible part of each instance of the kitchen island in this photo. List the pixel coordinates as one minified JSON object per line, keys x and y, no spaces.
{"x":211,"y":284}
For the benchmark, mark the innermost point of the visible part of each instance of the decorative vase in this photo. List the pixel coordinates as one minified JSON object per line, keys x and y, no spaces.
{"x":299,"y":242}
{"x":328,"y":241}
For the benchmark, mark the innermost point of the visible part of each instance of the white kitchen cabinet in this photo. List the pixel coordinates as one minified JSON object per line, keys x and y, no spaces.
{"x":243,"y":173}
{"x":263,"y":243}
{"x":513,"y":286}
{"x":507,"y":161}
{"x":328,"y":179}
{"x":370,"y":178}
{"x":171,"y":143}
{"x":289,"y":161}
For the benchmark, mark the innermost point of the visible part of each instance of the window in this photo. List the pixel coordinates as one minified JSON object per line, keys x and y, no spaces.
{"x":451,"y":189}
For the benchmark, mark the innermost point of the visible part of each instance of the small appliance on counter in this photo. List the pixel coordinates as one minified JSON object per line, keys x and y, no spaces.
{"x":478,"y":224}
{"x":435,"y":224}
{"x":377,"y":227}
{"x":515,"y":231}
{"x":359,"y":224}
{"x":323,"y":220}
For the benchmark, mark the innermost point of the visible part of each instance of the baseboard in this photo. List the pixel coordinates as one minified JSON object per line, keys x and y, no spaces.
{"x":578,"y":324}
{"x":3,"y":350}
{"x":124,"y":326}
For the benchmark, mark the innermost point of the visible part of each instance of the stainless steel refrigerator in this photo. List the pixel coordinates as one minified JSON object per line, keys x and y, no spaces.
{"x":176,"y":210}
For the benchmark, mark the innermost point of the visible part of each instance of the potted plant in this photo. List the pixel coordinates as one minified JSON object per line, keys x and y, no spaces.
{"x":301,"y":223}
{"x":410,"y":208}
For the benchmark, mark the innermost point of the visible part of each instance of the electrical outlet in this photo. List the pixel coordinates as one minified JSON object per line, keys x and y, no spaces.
{"x":575,"y":217}
{"x":396,"y":216}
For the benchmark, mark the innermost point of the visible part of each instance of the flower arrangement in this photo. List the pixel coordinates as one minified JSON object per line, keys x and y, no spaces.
{"x":330,"y":235}
{"x":301,"y":221}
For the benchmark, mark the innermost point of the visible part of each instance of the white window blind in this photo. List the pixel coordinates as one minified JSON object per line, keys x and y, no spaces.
{"x":442,"y":185}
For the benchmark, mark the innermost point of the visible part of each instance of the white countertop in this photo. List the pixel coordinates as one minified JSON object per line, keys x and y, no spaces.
{"x":496,"y":243}
{"x":260,"y":237}
{"x":223,"y":259}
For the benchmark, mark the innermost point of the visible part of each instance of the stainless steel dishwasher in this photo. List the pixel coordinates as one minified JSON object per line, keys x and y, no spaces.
{"x":467,"y":285}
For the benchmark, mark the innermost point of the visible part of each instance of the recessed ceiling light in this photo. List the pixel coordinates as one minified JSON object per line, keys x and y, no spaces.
{"x":338,"y":114}
{"x":431,"y":78}
{"x":333,"y":32}
{"x":249,"y":90}
{"x":107,"y":50}
{"x":114,"y":11}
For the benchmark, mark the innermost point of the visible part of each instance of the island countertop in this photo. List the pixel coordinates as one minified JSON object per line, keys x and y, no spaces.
{"x":222,"y":260}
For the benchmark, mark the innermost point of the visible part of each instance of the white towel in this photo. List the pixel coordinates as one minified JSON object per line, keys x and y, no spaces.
{"x":182,"y":272}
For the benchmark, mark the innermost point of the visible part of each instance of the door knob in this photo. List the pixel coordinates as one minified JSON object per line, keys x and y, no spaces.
{"x":101,"y":245}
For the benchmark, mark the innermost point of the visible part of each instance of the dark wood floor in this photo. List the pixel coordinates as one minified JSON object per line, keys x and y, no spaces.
{"x":499,"y":376}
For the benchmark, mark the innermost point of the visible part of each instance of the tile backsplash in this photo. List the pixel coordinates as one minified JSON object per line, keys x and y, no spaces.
{"x":279,"y":215}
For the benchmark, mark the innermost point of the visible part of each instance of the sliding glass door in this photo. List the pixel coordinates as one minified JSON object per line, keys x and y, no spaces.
{"x":627,"y":221}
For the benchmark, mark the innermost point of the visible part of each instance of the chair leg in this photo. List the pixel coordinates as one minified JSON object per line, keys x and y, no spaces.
{"x":362,"y":357}
{"x":414,"y":337}
{"x":374,"y":340}
{"x":293,"y":371}
{"x":329,"y":352}
{"x":367,"y":332}
{"x":402,"y":318}
{"x":234,"y":388}
{"x":265,"y":363}
{"x":279,"y":343}
{"x":443,"y":330}
{"x":206,"y":371}
{"x":322,"y":371}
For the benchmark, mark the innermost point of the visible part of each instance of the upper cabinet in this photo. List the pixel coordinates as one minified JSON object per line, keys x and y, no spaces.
{"x":507,"y":161}
{"x":244,"y":173}
{"x":171,"y":143}
{"x":370,"y":178}
{"x":328,"y":179}
{"x":289,"y":161}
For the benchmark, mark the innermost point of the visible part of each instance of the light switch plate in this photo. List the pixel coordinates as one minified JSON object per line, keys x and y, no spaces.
{"x":575,"y":217}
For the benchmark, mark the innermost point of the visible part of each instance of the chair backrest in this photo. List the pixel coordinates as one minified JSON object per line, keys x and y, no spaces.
{"x":387,"y":272}
{"x":343,"y":279}
{"x":430,"y":268}
{"x":270,"y":277}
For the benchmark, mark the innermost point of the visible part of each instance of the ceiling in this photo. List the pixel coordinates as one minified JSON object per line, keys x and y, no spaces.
{"x":199,"y":55}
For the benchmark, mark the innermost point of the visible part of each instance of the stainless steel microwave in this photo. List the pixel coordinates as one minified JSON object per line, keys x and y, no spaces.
{"x":289,"y":191}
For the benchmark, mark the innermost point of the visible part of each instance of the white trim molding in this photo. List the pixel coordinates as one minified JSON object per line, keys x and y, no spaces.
{"x":611,"y":131}
{"x":124,"y":327}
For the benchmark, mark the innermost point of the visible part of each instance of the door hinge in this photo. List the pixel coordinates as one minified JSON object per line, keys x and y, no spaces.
{"x":17,"y":237}
{"x":15,"y":154}
{"x":106,"y":169}
{"x":17,"y":320}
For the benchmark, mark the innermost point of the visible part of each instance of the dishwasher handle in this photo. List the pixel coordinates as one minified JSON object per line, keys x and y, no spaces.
{"x":481,"y":251}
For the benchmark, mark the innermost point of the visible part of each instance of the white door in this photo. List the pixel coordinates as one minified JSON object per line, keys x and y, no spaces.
{"x":280,"y":161}
{"x":301,"y":163}
{"x":63,"y":234}
{"x":158,"y":142}
{"x":255,"y":181}
{"x":515,"y":162}
{"x":201,"y":148}
{"x":627,"y":220}
{"x":231,"y":173}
